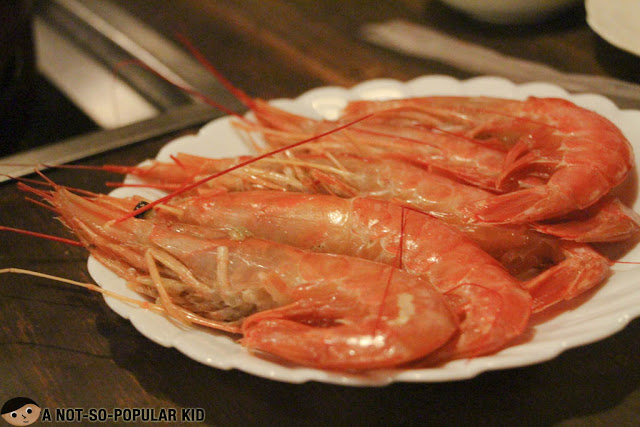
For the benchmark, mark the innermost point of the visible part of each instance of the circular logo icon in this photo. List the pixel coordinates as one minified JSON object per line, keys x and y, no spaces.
{"x":20,"y":411}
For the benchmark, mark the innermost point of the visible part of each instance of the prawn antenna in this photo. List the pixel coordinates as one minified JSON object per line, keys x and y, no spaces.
{"x":158,"y":308}
{"x":397,"y":264}
{"x":238,"y":166}
{"x":41,"y":235}
{"x":238,"y":93}
{"x":187,"y":89}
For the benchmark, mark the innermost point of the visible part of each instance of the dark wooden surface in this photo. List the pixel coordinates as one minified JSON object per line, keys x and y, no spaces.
{"x":62,"y":347}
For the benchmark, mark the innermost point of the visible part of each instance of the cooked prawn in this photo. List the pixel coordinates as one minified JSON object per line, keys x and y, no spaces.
{"x":382,"y":232}
{"x":551,"y":156}
{"x":320,"y":310}
{"x":576,"y":155}
{"x":492,"y":306}
{"x":371,"y":229}
{"x":458,"y":154}
{"x":609,"y":220}
{"x":517,"y":246}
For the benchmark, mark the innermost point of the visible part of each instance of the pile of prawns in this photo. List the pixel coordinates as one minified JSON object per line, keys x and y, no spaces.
{"x":410,"y":230}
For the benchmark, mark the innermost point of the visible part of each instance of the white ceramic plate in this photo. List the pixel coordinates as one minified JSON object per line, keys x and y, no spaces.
{"x":607,"y":310}
{"x":616,"y":21}
{"x":510,"y":11}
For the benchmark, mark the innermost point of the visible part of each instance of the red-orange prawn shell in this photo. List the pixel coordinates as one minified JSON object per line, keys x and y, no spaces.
{"x":577,"y":155}
{"x":377,"y":230}
{"x":321,"y":310}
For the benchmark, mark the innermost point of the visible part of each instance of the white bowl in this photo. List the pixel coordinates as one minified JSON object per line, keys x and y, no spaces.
{"x":510,"y":11}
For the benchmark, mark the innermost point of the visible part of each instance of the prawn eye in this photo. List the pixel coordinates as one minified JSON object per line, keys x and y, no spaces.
{"x":141,"y":205}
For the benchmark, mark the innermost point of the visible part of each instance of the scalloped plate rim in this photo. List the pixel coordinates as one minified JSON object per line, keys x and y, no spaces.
{"x":456,"y":370}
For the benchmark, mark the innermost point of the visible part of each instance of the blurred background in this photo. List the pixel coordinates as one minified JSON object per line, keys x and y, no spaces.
{"x":66,"y":66}
{"x":69,"y":80}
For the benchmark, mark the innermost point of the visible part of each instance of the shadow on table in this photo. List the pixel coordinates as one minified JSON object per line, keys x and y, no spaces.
{"x":578,"y":383}
{"x":447,"y":19}
{"x":619,"y":63}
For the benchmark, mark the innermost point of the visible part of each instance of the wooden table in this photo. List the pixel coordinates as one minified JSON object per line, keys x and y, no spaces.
{"x":62,"y":346}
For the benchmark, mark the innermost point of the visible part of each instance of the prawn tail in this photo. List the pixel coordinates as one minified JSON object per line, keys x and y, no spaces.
{"x":521,"y":206}
{"x":489,"y":320}
{"x":299,"y":333}
{"x":336,"y":331}
{"x":609,"y":221}
{"x":582,"y":269}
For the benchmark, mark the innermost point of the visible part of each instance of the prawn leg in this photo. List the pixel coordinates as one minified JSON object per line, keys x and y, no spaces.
{"x":609,"y":221}
{"x":339,"y":333}
{"x":382,"y":231}
{"x":204,"y":272}
{"x":582,"y":269}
